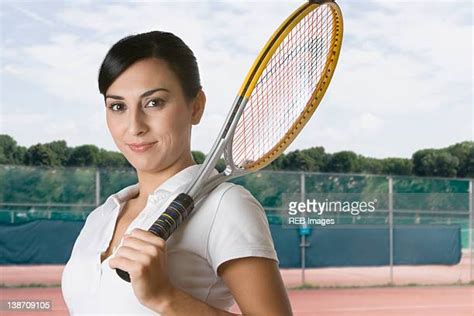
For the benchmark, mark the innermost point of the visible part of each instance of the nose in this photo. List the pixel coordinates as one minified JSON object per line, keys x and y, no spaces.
{"x":137,"y":123}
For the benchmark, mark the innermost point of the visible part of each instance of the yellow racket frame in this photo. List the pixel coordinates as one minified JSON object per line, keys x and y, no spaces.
{"x":266,"y":54}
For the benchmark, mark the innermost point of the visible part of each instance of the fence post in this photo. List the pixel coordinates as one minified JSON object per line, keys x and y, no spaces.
{"x":48,"y":207}
{"x":471,"y":227}
{"x":390,"y":222}
{"x":303,"y":236}
{"x":97,"y":187}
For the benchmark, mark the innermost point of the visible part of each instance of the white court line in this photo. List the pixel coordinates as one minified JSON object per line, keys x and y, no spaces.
{"x":388,"y":308}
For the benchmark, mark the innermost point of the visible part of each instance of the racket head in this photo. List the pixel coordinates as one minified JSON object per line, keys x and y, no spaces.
{"x":285,"y":85}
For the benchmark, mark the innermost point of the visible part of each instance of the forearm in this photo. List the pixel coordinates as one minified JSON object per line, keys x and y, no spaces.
{"x":181,"y":303}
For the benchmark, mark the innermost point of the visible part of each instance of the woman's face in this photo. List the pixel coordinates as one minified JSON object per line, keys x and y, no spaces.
{"x":146,"y":104}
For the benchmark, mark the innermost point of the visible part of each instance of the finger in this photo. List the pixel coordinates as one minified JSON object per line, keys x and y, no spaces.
{"x":148,"y":236}
{"x":133,"y":254}
{"x":141,"y":245}
{"x":123,"y":263}
{"x":134,"y":268}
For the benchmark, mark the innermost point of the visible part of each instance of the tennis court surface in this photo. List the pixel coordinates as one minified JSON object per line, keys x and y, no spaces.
{"x":423,"y":300}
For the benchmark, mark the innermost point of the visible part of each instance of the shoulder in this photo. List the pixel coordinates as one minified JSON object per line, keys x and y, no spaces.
{"x":102,"y":212}
{"x":229,"y":201}
{"x":96,"y":223}
{"x":230,"y":196}
{"x":235,"y":201}
{"x":233,"y":205}
{"x":239,"y":228}
{"x":99,"y":214}
{"x":227,"y":205}
{"x":89,"y":232}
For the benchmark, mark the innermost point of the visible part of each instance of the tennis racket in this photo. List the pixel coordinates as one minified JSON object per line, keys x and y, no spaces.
{"x":282,"y":90}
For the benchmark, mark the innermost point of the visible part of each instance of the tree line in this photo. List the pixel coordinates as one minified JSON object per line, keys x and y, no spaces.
{"x":454,"y":161}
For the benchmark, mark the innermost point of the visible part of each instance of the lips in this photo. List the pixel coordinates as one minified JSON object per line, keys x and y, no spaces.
{"x":142,"y":147}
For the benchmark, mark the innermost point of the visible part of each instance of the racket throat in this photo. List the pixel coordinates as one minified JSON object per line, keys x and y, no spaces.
{"x":223,"y":144}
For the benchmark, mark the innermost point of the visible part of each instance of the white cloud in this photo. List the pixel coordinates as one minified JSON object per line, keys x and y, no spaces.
{"x":400,"y":61}
{"x":405,"y":64}
{"x":35,"y":16}
{"x":13,"y":70}
{"x":25,"y":119}
{"x":366,"y":122}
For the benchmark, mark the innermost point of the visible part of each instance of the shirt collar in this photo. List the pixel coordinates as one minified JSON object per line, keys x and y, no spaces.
{"x":176,"y":182}
{"x":179,"y":180}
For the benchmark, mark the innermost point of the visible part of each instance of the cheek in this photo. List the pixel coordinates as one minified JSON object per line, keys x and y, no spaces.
{"x":173,"y":132}
{"x":112,"y":125}
{"x":116,"y":129}
{"x":177,"y":123}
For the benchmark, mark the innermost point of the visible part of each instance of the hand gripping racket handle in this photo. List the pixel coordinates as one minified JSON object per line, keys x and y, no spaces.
{"x":166,"y":224}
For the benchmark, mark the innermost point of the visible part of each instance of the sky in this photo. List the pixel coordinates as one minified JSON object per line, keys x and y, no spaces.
{"x":403,"y":80}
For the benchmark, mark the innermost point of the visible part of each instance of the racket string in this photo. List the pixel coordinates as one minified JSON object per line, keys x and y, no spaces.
{"x":271,"y":67}
{"x":293,"y":77}
{"x":284,"y":87}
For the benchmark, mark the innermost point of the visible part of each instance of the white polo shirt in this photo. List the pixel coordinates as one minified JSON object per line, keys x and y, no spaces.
{"x":228,"y":224}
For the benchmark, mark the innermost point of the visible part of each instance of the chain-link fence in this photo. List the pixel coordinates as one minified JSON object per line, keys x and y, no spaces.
{"x":401,"y":202}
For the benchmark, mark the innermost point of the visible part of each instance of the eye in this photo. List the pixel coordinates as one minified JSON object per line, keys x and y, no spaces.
{"x":116,"y":107}
{"x":156,"y":103}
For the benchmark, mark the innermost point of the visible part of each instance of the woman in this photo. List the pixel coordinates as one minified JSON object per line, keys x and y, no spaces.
{"x":224,"y":251}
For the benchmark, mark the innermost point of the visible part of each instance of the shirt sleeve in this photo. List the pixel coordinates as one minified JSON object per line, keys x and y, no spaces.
{"x":239,"y":229}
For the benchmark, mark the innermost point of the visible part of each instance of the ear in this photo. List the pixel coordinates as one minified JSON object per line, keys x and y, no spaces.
{"x":198,"y":105}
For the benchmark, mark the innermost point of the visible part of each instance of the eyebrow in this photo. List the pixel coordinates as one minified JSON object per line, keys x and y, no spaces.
{"x":145,"y":94}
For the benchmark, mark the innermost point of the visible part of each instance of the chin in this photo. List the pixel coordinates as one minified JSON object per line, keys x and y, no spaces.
{"x":143,"y":165}
{"x":148,"y":165}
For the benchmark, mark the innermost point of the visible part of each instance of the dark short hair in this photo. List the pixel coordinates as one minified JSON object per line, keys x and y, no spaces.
{"x":156,"y":44}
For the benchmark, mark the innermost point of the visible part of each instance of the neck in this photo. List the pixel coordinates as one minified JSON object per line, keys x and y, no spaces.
{"x":149,"y":181}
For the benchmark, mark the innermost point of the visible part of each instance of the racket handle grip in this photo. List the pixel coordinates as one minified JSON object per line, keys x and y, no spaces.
{"x":166,"y":224}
